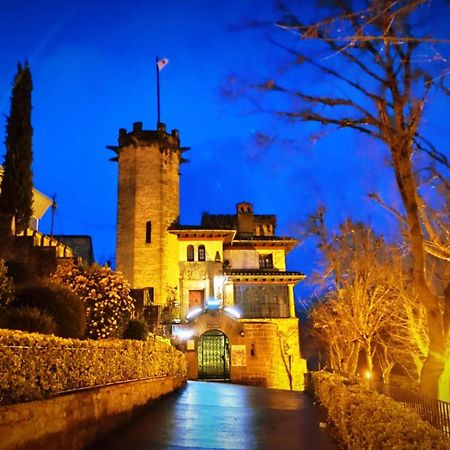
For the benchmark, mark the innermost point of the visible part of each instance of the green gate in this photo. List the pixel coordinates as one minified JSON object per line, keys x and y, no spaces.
{"x":213,"y":356}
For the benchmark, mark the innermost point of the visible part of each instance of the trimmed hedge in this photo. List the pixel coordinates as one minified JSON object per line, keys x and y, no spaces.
{"x":35,"y":366}
{"x":367,"y":420}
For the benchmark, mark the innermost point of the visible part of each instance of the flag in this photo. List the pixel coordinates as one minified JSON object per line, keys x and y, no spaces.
{"x":162,"y":63}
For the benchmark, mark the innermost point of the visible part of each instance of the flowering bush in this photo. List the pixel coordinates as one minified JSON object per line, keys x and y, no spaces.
{"x":6,"y":285}
{"x":368,"y":420}
{"x":35,"y":366}
{"x":106,"y":296}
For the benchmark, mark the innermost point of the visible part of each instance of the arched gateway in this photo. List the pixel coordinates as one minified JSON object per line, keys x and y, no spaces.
{"x":213,"y":356}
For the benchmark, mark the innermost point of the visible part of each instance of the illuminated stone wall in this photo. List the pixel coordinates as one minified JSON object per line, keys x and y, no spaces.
{"x":148,"y":192}
{"x":74,"y":421}
{"x":264,"y":352}
{"x":272,"y":355}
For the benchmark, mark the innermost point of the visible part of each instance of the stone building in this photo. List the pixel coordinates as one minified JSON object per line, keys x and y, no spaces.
{"x":223,"y":284}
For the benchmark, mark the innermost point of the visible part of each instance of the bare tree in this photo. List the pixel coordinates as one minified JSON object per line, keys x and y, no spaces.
{"x":369,"y":308}
{"x":374,"y":57}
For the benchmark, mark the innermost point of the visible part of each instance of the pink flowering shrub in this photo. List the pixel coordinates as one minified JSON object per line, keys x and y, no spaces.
{"x":106,"y":297}
{"x":367,"y":420}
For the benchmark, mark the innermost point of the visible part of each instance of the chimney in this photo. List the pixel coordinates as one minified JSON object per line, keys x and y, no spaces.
{"x":246,"y":219}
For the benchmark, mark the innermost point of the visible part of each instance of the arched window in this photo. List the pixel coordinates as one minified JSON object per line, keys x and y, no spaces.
{"x":148,"y":232}
{"x":190,"y":253}
{"x":201,"y":253}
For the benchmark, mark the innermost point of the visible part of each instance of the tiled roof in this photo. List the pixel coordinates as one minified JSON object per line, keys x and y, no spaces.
{"x":263,"y":276}
{"x":259,"y":272}
{"x":246,"y":237}
{"x":230,"y":221}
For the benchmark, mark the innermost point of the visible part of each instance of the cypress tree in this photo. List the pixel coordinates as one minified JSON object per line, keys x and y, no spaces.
{"x":16,"y":196}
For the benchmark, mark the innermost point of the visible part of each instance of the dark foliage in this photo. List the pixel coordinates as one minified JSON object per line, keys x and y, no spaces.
{"x":28,"y":319}
{"x":16,"y":196}
{"x":61,"y":303}
{"x":136,"y":329}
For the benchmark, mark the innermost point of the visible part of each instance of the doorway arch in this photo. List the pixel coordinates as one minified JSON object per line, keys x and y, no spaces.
{"x":213,"y":355}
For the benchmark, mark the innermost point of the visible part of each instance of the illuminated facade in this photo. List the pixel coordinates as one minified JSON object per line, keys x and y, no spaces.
{"x":223,"y":284}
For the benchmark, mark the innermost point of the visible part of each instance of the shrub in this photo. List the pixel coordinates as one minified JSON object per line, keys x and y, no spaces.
{"x":6,"y":285}
{"x":61,"y":303}
{"x":136,"y":329}
{"x":106,"y":296}
{"x":35,"y":366}
{"x":27,"y":319}
{"x":366,"y":419}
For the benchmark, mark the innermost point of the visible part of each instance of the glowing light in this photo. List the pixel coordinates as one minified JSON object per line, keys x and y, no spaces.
{"x":232,"y":312}
{"x":194,"y":313}
{"x":213,"y":303}
{"x":219,"y":280}
{"x":184,"y":335}
{"x":368,"y":375}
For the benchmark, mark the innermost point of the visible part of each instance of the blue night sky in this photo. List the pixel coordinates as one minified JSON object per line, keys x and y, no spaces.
{"x":93,"y":71}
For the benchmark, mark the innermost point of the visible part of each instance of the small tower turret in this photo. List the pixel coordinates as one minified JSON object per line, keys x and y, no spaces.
{"x":148,"y":204}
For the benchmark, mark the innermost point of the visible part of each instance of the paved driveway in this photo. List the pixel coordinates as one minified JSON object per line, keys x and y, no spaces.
{"x":206,"y":415}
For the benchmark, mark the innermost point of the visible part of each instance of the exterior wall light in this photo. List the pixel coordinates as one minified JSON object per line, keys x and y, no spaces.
{"x":213,"y":303}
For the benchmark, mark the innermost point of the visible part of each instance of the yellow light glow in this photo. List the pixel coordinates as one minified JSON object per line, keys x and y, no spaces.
{"x":368,"y":375}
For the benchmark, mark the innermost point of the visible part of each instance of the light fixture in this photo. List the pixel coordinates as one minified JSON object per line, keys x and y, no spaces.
{"x":213,"y":303}
{"x":368,"y":375}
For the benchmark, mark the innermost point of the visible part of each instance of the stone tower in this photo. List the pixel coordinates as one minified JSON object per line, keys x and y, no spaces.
{"x":148,"y":204}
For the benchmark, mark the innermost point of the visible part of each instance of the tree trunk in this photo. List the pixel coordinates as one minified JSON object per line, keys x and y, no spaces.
{"x":352,"y":361}
{"x":434,"y":362}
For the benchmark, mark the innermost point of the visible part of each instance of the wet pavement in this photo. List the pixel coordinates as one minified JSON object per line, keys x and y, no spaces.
{"x":205,"y":415}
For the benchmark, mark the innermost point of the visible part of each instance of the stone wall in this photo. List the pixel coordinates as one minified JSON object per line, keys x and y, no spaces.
{"x":272,"y":355}
{"x":31,"y":256}
{"x":148,"y":192}
{"x":73,"y":421}
{"x":263,"y":352}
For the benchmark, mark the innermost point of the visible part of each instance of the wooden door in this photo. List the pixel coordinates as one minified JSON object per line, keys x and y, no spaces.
{"x":196,"y":299}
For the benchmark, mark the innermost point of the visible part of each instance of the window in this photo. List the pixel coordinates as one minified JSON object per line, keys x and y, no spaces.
{"x":190,"y":253}
{"x":148,"y":232}
{"x":201,"y":253}
{"x":261,"y":300}
{"x":266,"y":261}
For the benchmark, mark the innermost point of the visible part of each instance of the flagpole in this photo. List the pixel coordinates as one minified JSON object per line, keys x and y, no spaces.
{"x":157,"y":93}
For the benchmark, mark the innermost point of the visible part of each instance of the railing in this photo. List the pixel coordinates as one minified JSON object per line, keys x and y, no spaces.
{"x":434,"y":411}
{"x":42,"y":240}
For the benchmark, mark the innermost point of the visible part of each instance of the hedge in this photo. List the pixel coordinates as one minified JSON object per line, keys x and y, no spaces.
{"x":35,"y":366}
{"x":367,"y":420}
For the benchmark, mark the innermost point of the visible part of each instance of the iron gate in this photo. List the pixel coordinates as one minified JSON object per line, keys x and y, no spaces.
{"x":213,"y":356}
